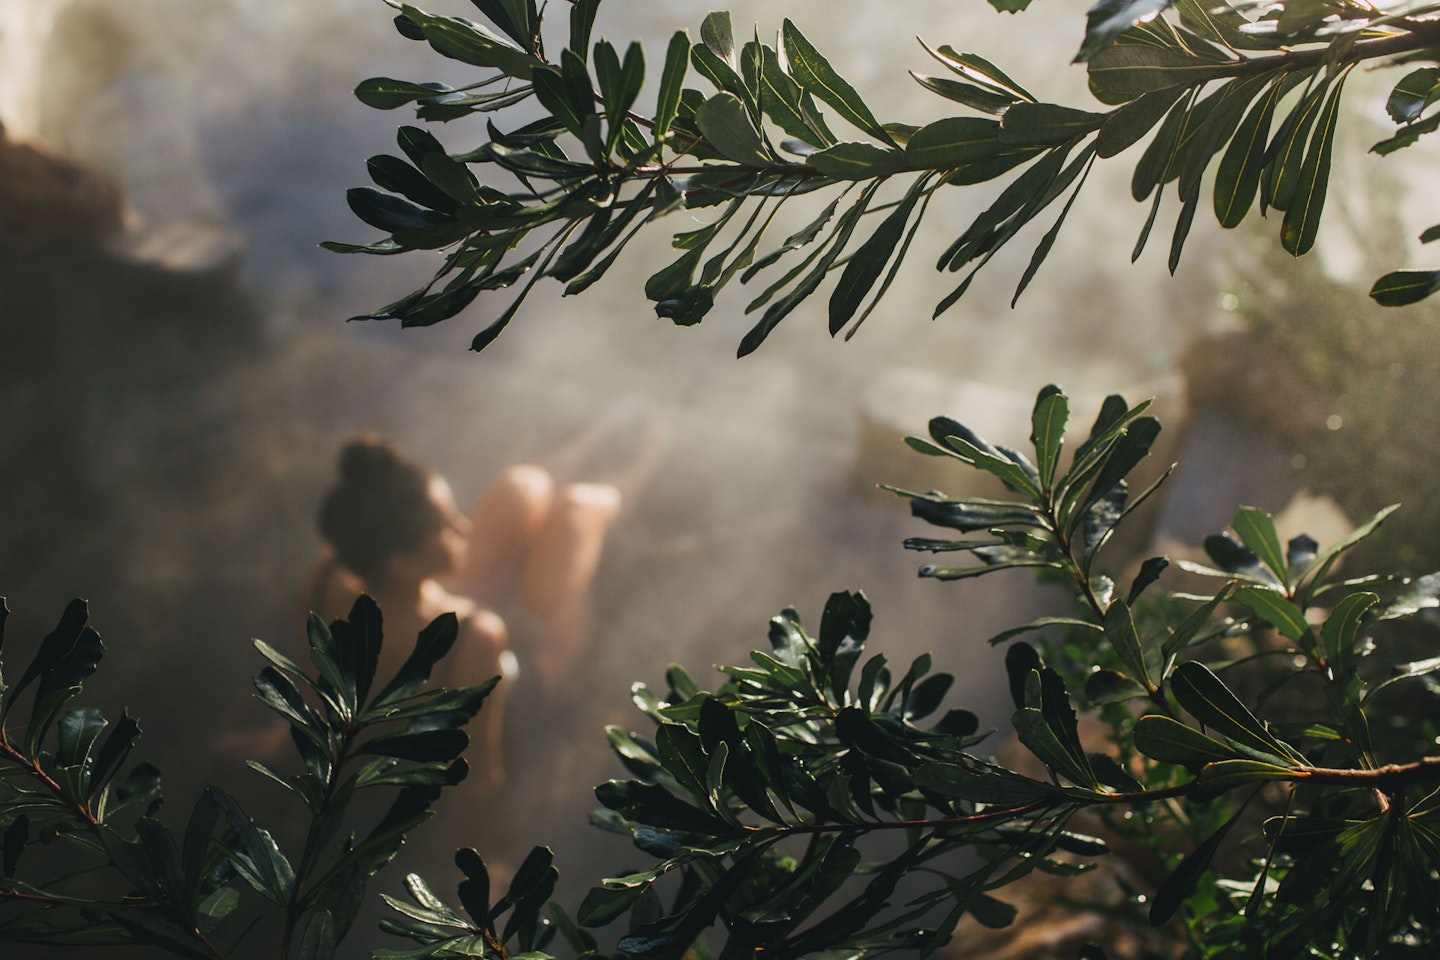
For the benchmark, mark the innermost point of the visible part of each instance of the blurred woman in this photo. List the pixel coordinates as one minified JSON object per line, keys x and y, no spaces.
{"x":393,"y":530}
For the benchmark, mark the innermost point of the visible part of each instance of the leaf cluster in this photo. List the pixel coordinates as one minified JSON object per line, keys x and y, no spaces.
{"x":1247,"y":98}
{"x":174,"y":891}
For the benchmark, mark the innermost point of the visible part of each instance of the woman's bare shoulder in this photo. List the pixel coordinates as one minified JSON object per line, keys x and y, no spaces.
{"x":485,"y":625}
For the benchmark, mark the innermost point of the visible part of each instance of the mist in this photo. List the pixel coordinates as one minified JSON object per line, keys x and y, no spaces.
{"x":175,"y":383}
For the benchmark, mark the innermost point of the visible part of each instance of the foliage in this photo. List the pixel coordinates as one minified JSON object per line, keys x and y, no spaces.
{"x":817,"y":802}
{"x":174,"y":892}
{"x":1258,"y":85}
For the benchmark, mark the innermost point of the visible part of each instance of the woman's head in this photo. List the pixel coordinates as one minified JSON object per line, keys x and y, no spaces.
{"x":387,"y":515}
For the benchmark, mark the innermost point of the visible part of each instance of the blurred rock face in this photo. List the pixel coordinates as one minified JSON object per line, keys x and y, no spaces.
{"x":48,"y":201}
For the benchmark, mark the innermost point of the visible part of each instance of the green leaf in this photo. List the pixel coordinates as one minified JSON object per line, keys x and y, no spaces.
{"x":1170,"y":741}
{"x":1415,"y":91}
{"x":1229,"y":774}
{"x":433,"y":643}
{"x":1084,"y":162}
{"x":471,"y":43}
{"x":718,"y":37}
{"x":977,"y":70}
{"x":1155,"y":162}
{"x":1274,"y":609}
{"x":1400,"y":288}
{"x":1302,"y":213}
{"x":855,"y":160}
{"x":991,"y":786}
{"x":1286,"y":153}
{"x":383,"y":93}
{"x":1110,"y":686}
{"x":1107,"y":19}
{"x":1125,"y":640}
{"x":1208,"y":700}
{"x":1007,"y":471}
{"x":672,"y":81}
{"x":255,"y":854}
{"x":786,"y":103}
{"x":726,"y":124}
{"x":1048,"y":420}
{"x":519,"y":19}
{"x":1342,"y":626}
{"x":1237,"y":179}
{"x":1198,"y":619}
{"x":867,"y":263}
{"x":1256,"y":530}
{"x":1125,"y":127}
{"x":1128,"y":70}
{"x":813,"y":72}
{"x":1408,"y":135}
{"x":953,"y":142}
{"x":984,"y":99}
{"x":1182,"y":882}
{"x":1036,"y":124}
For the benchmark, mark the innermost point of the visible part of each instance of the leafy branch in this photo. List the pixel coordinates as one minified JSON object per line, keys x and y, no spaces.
{"x":1263,"y":95}
{"x":179,"y":890}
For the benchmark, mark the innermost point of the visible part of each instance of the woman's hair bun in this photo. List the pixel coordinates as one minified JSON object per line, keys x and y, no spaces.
{"x":367,"y":455}
{"x":379,"y":505}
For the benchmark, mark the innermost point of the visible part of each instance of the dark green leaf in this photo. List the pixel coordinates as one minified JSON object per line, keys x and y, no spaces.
{"x":1408,"y":135}
{"x":1229,"y":774}
{"x":1274,"y":609}
{"x":1208,"y":700}
{"x":1256,"y":529}
{"x":1400,"y":288}
{"x":1181,"y":883}
{"x":1107,"y":19}
{"x":1127,"y":125}
{"x":984,"y":99}
{"x":1128,"y":70}
{"x":1238,"y":177}
{"x":1125,"y":641}
{"x":726,"y":124}
{"x":384,"y":93}
{"x":471,"y":43}
{"x":992,"y":786}
{"x":1048,"y":420}
{"x":786,"y":103}
{"x":1286,"y":153}
{"x":855,"y":160}
{"x":1302,"y":212}
{"x":814,"y":73}
{"x":977,"y":70}
{"x":1109,"y":686}
{"x":1170,"y":741}
{"x":519,"y":19}
{"x":672,"y":81}
{"x":1415,"y":91}
{"x":1035,"y":124}
{"x":1159,"y":153}
{"x":867,"y":263}
{"x":953,"y":142}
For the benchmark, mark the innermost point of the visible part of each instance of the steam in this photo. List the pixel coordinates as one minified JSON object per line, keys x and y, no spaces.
{"x":202,"y":409}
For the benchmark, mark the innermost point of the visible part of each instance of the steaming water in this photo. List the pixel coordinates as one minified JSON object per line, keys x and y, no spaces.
{"x":184,"y":429}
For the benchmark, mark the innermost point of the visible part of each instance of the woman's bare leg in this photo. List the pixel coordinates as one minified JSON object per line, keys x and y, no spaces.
{"x":507,"y":517}
{"x":555,"y":583}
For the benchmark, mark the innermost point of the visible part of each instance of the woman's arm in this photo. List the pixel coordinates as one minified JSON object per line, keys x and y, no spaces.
{"x":481,"y":653}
